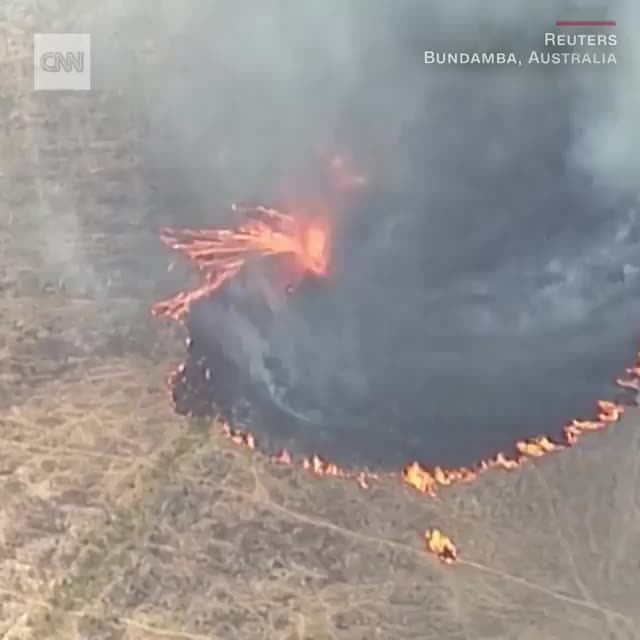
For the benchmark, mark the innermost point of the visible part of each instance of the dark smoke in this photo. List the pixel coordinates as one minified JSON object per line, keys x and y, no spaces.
{"x":485,"y":287}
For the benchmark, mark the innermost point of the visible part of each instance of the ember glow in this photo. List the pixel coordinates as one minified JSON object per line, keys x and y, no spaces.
{"x":220,"y":254}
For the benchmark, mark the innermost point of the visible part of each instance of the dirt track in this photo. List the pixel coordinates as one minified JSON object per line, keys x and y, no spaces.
{"x":120,"y":520}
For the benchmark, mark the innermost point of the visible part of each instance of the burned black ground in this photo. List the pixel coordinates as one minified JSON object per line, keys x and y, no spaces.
{"x":447,"y":372}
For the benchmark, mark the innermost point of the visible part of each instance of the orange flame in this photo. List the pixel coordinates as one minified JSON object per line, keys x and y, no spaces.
{"x":221,"y":253}
{"x":313,"y":464}
{"x":314,"y":254}
{"x":440,"y":544}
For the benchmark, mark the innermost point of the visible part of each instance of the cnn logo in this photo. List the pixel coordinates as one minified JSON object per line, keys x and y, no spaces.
{"x":62,"y":61}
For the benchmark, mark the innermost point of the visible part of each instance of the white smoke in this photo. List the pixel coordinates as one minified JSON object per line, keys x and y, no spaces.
{"x":607,"y":130}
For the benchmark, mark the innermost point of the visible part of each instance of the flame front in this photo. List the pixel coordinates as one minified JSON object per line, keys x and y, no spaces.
{"x":220,"y":254}
{"x":429,"y":480}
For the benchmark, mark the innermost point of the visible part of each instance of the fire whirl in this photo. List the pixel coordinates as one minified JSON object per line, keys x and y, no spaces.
{"x":220,"y":254}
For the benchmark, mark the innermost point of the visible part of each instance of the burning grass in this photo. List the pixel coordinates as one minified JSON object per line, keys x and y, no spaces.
{"x":429,"y":480}
{"x":441,"y":545}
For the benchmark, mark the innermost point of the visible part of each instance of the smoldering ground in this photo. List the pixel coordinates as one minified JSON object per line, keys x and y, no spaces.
{"x":484,"y":288}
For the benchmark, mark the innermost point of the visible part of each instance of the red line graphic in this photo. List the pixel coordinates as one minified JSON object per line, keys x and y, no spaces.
{"x":585,"y":23}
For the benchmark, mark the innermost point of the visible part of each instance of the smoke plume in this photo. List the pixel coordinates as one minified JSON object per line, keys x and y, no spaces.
{"x":486,"y":283}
